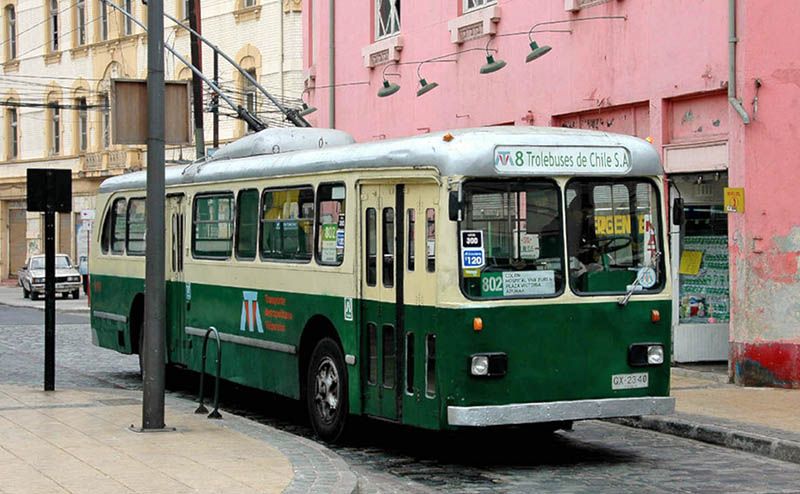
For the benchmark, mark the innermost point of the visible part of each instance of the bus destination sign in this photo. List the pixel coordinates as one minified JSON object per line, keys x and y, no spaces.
{"x":567,"y":160}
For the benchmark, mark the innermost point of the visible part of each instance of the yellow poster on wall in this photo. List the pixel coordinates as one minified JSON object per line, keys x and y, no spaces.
{"x":734,"y":199}
{"x":690,"y":262}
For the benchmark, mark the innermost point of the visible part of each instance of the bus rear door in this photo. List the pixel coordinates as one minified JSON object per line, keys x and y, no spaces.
{"x":379,"y":321}
{"x":176,"y":287}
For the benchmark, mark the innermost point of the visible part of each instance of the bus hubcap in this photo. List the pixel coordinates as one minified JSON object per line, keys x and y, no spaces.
{"x":326,"y":397}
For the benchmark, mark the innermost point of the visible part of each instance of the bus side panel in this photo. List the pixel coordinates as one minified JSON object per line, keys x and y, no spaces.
{"x":260,"y":317}
{"x":112,"y":296}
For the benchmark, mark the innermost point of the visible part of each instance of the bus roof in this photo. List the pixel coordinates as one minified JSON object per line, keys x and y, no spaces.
{"x":461,"y":152}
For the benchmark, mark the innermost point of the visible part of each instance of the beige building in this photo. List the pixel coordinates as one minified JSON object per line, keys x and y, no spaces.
{"x":58,"y":60}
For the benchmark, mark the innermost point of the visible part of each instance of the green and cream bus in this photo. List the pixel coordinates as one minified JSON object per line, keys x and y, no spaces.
{"x":473,"y":278}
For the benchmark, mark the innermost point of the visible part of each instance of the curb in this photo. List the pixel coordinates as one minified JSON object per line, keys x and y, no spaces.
{"x":80,"y":311}
{"x":696,"y":374}
{"x":728,"y":437}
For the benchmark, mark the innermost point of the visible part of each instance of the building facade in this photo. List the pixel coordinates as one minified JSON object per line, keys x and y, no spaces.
{"x":720,"y":113}
{"x":58,"y":60}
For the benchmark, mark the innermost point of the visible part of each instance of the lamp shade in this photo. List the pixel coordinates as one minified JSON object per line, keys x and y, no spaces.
{"x":388,"y":89}
{"x":307,"y":110}
{"x":536,"y":51}
{"x":425,"y":86}
{"x":492,"y":65}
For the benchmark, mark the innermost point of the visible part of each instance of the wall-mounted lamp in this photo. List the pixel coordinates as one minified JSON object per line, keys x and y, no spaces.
{"x":307,"y":109}
{"x":493,"y":65}
{"x":388,"y":88}
{"x":537,"y":51}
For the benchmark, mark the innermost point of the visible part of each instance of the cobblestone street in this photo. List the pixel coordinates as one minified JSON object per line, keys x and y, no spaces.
{"x":595,"y":457}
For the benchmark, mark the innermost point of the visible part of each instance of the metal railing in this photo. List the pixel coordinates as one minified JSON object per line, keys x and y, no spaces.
{"x":202,"y":408}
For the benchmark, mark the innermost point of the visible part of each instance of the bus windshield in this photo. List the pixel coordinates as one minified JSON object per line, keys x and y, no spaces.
{"x":613,"y":236}
{"x":520,"y":228}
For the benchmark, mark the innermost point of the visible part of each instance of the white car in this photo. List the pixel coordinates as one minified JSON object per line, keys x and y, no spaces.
{"x":31,"y":277}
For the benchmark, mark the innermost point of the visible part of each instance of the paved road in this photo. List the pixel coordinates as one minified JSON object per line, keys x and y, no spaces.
{"x":595,"y":457}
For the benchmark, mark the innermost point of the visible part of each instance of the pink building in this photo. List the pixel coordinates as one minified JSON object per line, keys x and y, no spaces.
{"x":658,"y":70}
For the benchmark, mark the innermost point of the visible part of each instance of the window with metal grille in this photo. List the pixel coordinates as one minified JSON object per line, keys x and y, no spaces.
{"x":387,"y":18}
{"x":476,"y":4}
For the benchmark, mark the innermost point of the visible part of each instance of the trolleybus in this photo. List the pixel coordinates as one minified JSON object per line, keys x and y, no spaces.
{"x":471,"y":278}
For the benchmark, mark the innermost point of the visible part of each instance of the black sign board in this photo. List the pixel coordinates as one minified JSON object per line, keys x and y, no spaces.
{"x":49,"y":190}
{"x":471,"y":239}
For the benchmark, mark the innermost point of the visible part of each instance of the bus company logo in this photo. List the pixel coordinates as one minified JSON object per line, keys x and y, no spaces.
{"x":250,"y":313}
{"x":503,"y":158}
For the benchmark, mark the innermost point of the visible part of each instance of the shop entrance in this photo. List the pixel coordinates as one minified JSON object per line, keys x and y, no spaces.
{"x":701,"y":311}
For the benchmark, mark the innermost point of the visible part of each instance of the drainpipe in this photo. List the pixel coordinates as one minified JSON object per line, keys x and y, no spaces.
{"x":331,"y":67}
{"x":732,"y":39}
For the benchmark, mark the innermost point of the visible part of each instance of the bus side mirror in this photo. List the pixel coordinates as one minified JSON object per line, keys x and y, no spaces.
{"x":678,"y":216}
{"x":454,"y":206}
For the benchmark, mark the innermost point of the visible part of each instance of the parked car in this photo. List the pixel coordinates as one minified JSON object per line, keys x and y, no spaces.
{"x":31,"y":277}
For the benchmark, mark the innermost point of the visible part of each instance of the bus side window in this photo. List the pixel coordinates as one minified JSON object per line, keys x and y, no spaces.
{"x":287,"y":219}
{"x":412,"y":213}
{"x":135,"y":236}
{"x":247,"y":224}
{"x":212,"y":235}
{"x":118,"y":227}
{"x":430,"y":238}
{"x":371,"y":248}
{"x":388,"y":247}
{"x":105,"y":238}
{"x":330,"y":224}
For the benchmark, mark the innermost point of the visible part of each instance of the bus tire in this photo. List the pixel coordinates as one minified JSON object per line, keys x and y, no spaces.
{"x":140,"y":353}
{"x":326,"y":390}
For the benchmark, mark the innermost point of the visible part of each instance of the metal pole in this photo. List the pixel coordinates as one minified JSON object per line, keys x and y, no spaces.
{"x":49,"y":300}
{"x":155,"y":291}
{"x":197,"y":83}
{"x":332,"y":64}
{"x":216,"y":100}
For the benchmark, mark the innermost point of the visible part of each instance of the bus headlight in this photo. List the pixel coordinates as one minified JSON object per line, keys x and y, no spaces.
{"x":480,"y":365}
{"x":493,"y":364}
{"x":643,"y":354}
{"x":655,"y":354}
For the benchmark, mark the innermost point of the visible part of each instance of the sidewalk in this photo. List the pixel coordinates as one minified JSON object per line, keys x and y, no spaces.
{"x":11,"y":294}
{"x":79,"y":441}
{"x":764,"y":421}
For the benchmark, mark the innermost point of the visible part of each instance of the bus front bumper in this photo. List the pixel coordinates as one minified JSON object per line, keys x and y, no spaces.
{"x":556,"y":411}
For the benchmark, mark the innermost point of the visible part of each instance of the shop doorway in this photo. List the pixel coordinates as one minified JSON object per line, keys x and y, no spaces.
{"x":17,"y":240}
{"x":700,"y":255}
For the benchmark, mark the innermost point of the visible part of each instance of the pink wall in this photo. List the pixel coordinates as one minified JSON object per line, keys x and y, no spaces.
{"x":765,"y":243}
{"x":661,"y":73}
{"x":602,"y":63}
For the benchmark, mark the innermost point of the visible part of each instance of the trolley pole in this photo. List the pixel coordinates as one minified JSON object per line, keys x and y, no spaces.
{"x":155,"y":291}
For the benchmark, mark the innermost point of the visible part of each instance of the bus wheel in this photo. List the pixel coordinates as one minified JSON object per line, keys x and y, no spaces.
{"x":326,"y":390}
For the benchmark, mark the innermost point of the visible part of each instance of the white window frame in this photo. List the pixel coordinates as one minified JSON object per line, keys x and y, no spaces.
{"x":13,"y":136}
{"x":103,"y":21}
{"x":54,"y":34}
{"x":476,"y":5}
{"x":392,"y":26}
{"x":11,"y":31}
{"x":83,"y":124}
{"x":80,"y":15}
{"x":55,"y":129}
{"x":128,"y":7}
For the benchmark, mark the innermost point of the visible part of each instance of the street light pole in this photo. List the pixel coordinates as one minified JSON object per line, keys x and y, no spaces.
{"x":155,"y":292}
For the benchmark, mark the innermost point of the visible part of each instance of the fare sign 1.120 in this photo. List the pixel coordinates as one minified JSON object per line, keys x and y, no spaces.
{"x":473,"y":257}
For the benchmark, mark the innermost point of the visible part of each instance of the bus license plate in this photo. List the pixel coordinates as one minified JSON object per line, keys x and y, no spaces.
{"x":629,"y":381}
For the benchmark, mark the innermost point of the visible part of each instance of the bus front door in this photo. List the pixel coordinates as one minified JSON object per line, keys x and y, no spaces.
{"x":176,"y":288}
{"x":380,"y":331}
